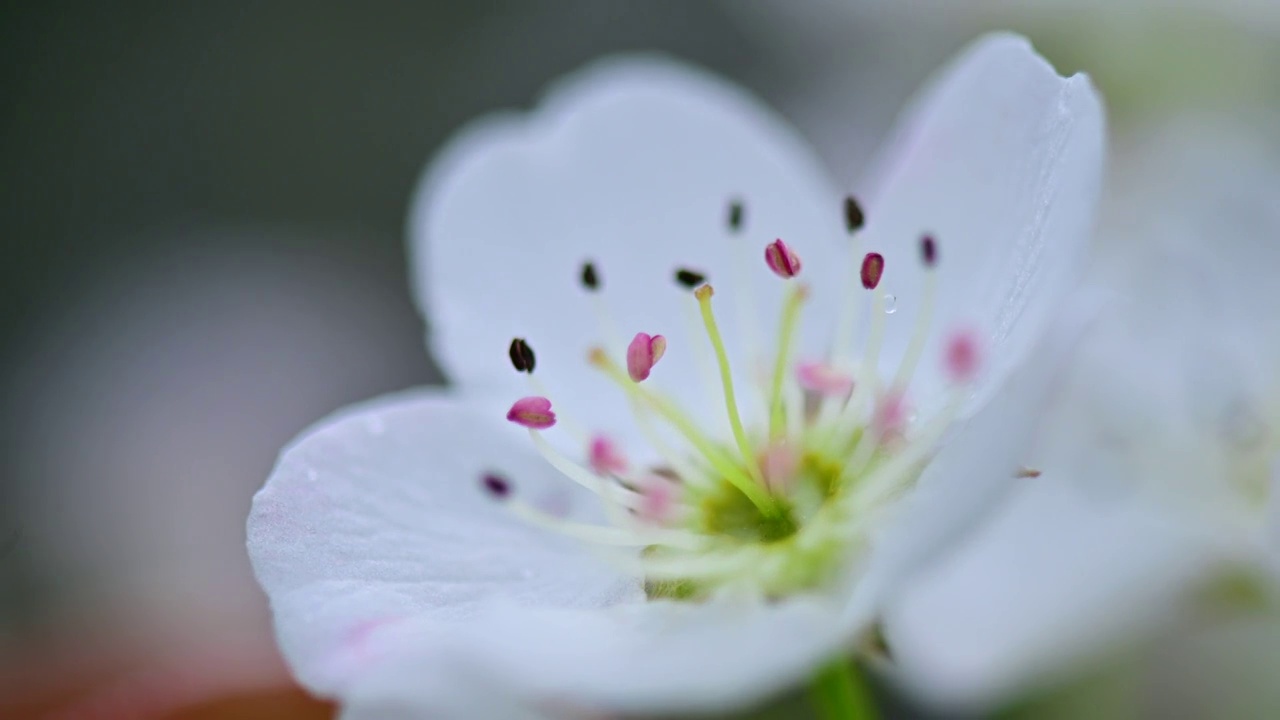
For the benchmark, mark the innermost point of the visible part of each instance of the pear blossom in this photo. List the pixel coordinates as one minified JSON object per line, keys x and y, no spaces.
{"x":700,"y":532}
{"x":1157,"y":482}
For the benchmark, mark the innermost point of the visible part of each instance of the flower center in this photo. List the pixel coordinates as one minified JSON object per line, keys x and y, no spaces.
{"x":785,"y":502}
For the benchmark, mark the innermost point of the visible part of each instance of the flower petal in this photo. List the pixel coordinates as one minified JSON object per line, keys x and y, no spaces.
{"x":645,"y":658}
{"x":1001,"y":160}
{"x":376,"y":518}
{"x":630,"y":164}
{"x":1056,"y":578}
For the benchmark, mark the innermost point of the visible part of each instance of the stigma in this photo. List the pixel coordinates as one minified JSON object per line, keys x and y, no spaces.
{"x":786,"y":499}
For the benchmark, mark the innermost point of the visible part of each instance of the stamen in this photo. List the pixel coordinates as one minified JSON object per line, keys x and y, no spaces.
{"x":615,"y":498}
{"x":781,"y":259}
{"x":522,"y":358}
{"x":963,"y":357}
{"x":786,"y":333}
{"x":605,"y":457}
{"x":643,"y":353}
{"x":496,"y":485}
{"x":911,"y":358}
{"x":744,"y":305}
{"x":533,"y":412}
{"x":842,"y":343}
{"x":881,"y":480}
{"x":704,"y":294}
{"x":690,"y":279}
{"x":604,"y":535}
{"x":590,"y":278}
{"x":591,"y":282}
{"x":718,"y":459}
{"x":823,"y":379}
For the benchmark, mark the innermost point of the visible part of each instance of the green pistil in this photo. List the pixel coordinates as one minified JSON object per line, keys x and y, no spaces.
{"x":790,"y":314}
{"x":703,"y":294}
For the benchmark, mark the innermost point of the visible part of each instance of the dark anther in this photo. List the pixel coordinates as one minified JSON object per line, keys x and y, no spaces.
{"x":690,"y":278}
{"x":853,"y":217}
{"x":496,"y":485}
{"x":735,"y":215}
{"x":522,"y":358}
{"x":929,"y":251}
{"x":590,"y":278}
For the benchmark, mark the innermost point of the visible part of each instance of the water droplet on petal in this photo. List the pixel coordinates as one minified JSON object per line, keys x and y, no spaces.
{"x":890,"y":304}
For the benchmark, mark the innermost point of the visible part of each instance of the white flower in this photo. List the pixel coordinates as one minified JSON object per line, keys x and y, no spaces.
{"x":712,"y":494}
{"x":1160,"y":475}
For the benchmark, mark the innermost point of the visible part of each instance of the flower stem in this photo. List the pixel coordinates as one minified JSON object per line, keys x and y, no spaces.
{"x":838,"y":693}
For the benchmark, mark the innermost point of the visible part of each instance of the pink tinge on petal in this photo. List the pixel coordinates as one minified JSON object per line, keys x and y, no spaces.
{"x":605,"y":457}
{"x":643,"y":353}
{"x":658,"y":497}
{"x":962,"y":357}
{"x":824,"y":379}
{"x":779,"y":464}
{"x":533,"y":412}
{"x":781,"y":259}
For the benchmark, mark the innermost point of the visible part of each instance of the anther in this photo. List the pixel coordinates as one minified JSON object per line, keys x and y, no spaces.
{"x":643,"y":353}
{"x":690,"y":278}
{"x":522,"y":358}
{"x":853,"y":216}
{"x":658,"y":500}
{"x":496,"y":485}
{"x":781,"y":259}
{"x":823,"y":379}
{"x":736,"y":212}
{"x":533,"y":412}
{"x":1027,"y":472}
{"x":590,"y":278}
{"x":872,"y":270}
{"x":929,"y":251}
{"x":962,"y":356}
{"x":605,"y":458}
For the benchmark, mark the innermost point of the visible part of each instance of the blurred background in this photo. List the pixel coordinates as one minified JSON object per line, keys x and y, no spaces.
{"x":204,"y":253}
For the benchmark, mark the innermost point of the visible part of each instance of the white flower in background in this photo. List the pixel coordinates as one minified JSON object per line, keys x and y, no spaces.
{"x":1158,"y":500}
{"x":734,"y":416}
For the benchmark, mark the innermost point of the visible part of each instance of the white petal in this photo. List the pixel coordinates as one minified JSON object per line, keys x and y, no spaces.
{"x":434,"y":689}
{"x":1055,"y":579}
{"x":631,"y":164}
{"x":376,"y":518}
{"x":649,"y":658}
{"x":1001,"y":160}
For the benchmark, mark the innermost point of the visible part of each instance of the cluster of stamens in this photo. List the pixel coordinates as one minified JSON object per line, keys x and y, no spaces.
{"x":782,"y":503}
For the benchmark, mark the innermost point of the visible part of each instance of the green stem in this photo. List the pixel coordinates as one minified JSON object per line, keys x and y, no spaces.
{"x":838,"y":693}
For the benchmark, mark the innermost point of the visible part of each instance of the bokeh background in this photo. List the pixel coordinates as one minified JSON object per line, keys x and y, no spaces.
{"x":202,"y":223}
